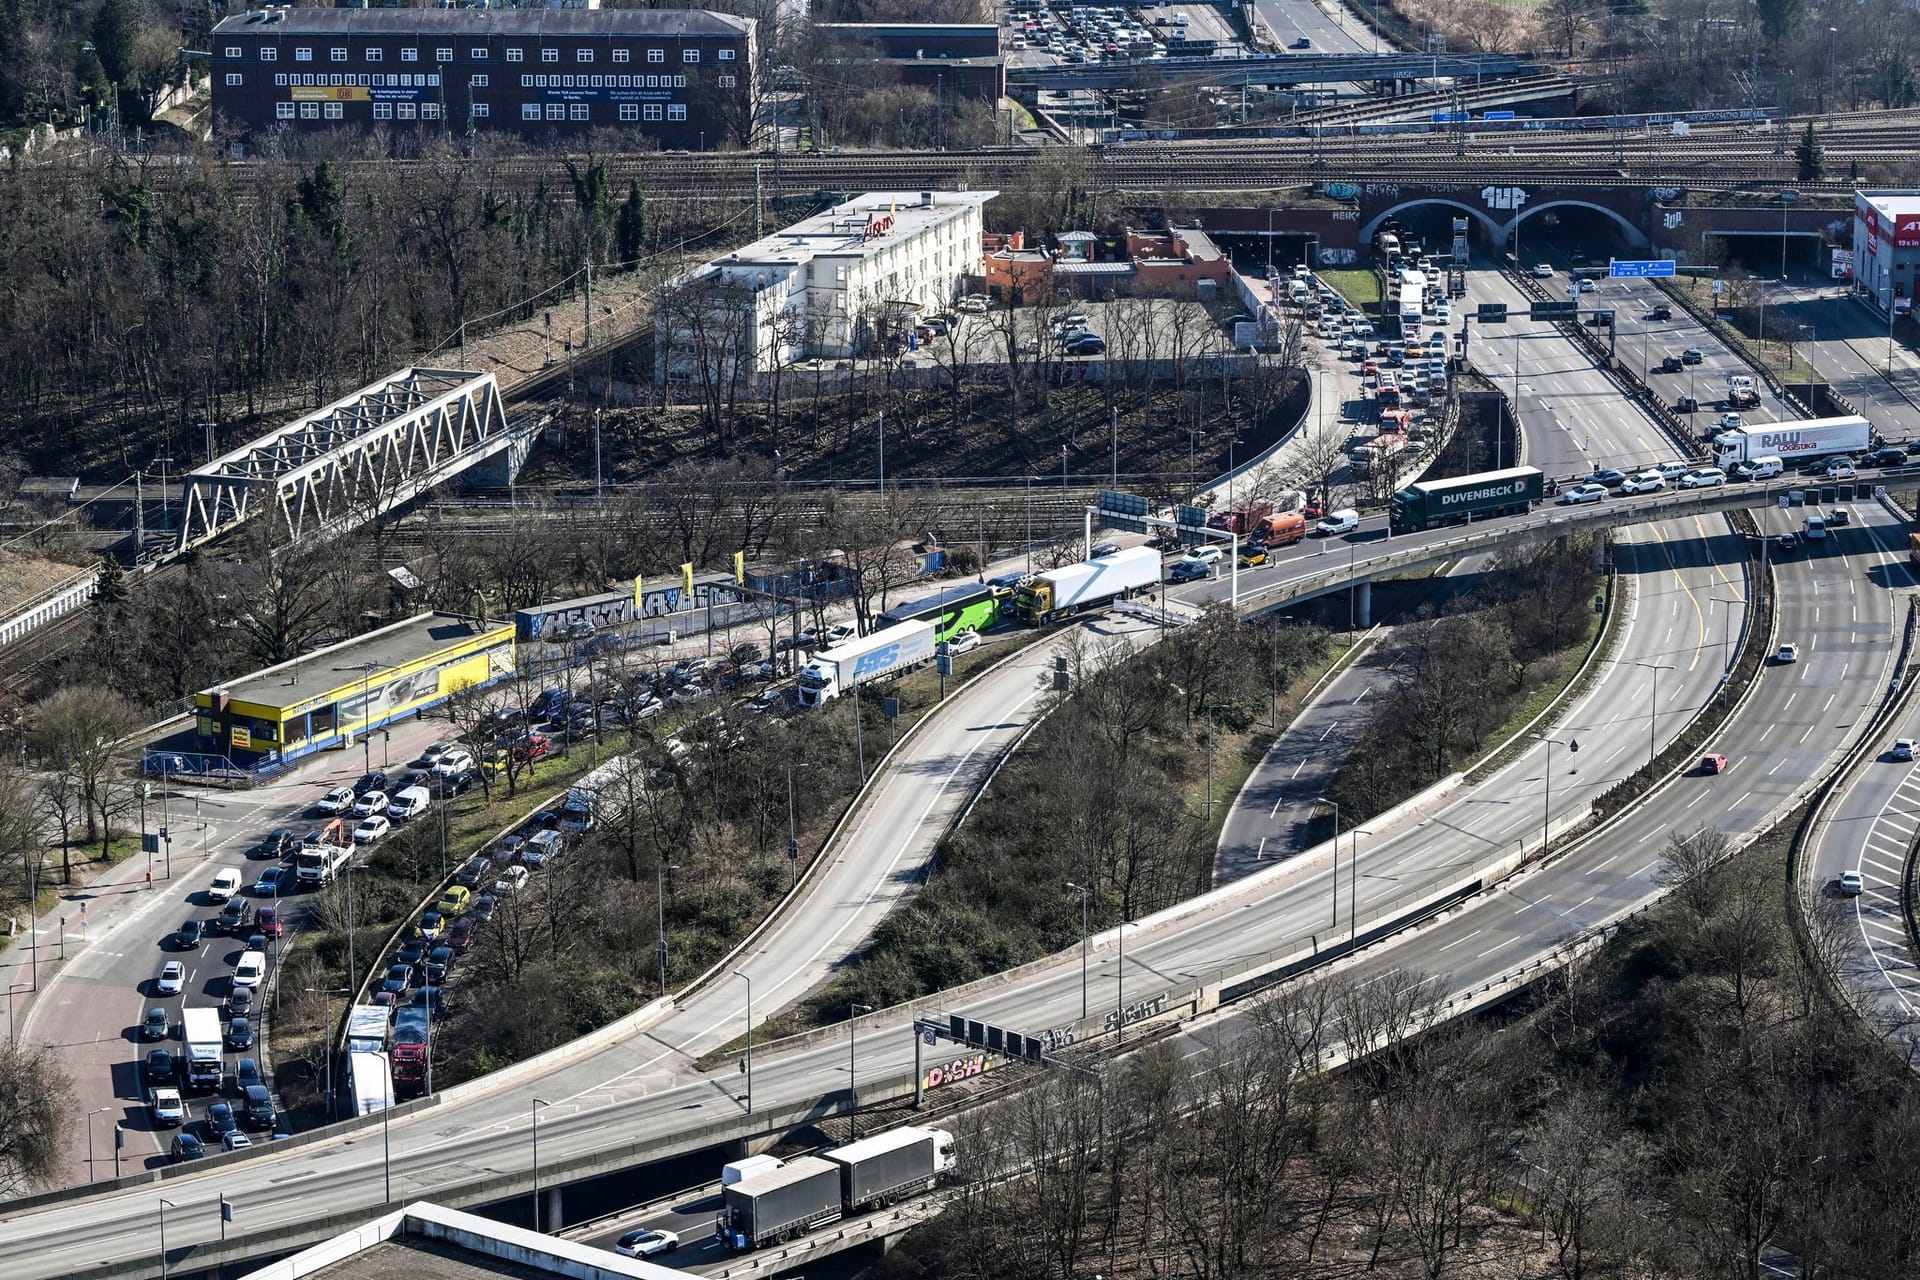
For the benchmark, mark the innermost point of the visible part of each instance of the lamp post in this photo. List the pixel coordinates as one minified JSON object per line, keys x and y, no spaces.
{"x":1787,"y":201}
{"x":596,"y":456}
{"x":1232,"y":444}
{"x":1030,"y":478}
{"x":326,"y":995}
{"x":1120,"y":980}
{"x":749,"y":1064}
{"x":386,"y":1128}
{"x":853,"y":1094}
{"x":1653,"y":717}
{"x":1833,"y":84}
{"x":1083,"y":892}
{"x":1353,"y":884}
{"x":165,"y":1204}
{"x":660,"y":905}
{"x":1546,"y":776}
{"x":537,"y":1104}
{"x":97,"y":1111}
{"x":1336,"y":856}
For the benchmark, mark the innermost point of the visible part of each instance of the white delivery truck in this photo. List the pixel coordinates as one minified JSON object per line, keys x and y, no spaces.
{"x":1792,"y":442}
{"x":862,"y":659}
{"x":370,"y":1081}
{"x":200,"y":1032}
{"x":1090,"y":584}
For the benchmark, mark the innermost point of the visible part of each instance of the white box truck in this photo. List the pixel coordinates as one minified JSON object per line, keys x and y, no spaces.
{"x":200,"y":1033}
{"x":1793,"y":442}
{"x":1091,"y":584}
{"x":370,"y":1081}
{"x":863,"y":659}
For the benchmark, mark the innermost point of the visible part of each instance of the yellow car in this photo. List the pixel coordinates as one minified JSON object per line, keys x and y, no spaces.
{"x":454,"y":901}
{"x":1253,"y":557}
{"x":431,"y":926}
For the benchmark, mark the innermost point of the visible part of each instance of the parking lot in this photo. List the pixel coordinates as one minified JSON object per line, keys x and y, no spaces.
{"x":1128,"y":329}
{"x":1039,"y":34}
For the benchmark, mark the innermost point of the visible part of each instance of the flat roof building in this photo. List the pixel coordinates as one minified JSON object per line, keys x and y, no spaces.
{"x":334,"y":696}
{"x":1886,"y":247}
{"x":834,"y":285}
{"x":682,"y":76}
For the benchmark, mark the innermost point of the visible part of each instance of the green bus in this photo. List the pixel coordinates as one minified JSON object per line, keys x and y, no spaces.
{"x":972,"y":605}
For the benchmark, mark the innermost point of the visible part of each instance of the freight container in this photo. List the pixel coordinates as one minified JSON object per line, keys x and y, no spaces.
{"x":1793,"y":441}
{"x":779,"y":1204}
{"x":882,"y":653}
{"x":890,"y":1166}
{"x":1090,"y":584}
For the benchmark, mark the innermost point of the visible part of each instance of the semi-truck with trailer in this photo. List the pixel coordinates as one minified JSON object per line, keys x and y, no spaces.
{"x":323,"y":854}
{"x":1793,"y":442}
{"x":1433,"y":503}
{"x":779,"y":1204}
{"x":776,"y":1200}
{"x":367,"y":1028}
{"x":369,"y":1082}
{"x":1090,"y":584}
{"x":863,"y":659}
{"x":890,"y":1166}
{"x":200,"y":1033}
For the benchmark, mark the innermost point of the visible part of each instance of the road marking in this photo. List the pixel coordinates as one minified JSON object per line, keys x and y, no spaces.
{"x":1490,"y":950}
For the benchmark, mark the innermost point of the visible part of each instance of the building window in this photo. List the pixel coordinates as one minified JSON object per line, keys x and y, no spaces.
{"x":619,"y":55}
{"x":526,"y":82}
{"x":406,"y":110}
{"x":625,"y":82}
{"x":629,"y":111}
{"x":566,"y":82}
{"x":443,"y":55}
{"x":303,"y":55}
{"x":577,"y":111}
{"x":549,"y":55}
{"x":679,"y":82}
{"x":476,"y":82}
{"x":409,"y":55}
{"x":690,"y":55}
{"x":373,"y":55}
{"x":656,"y":55}
{"x":433,"y":80}
{"x":429,"y":111}
{"x":309,"y":111}
{"x":529,"y":111}
{"x":478,"y":55}
{"x":726,"y":55}
{"x":283,"y":111}
{"x":584,"y":55}
{"x":269,"y":55}
{"x":336,"y":110}
{"x":337,"y":55}
{"x":383,"y":111}
{"x":480,"y":110}
{"x":676,"y":111}
{"x":653,"y":111}
{"x":515,"y":55}
{"x":234,"y":78}
{"x":725,"y":82}
{"x":233,"y":51}
{"x":280,"y":79}
{"x":556,"y":111}
{"x":334,"y":79}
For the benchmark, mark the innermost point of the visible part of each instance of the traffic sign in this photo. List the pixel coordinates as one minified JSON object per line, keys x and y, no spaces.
{"x":1498,"y":115}
{"x":1122,"y":511}
{"x":1194,"y":517}
{"x":1642,"y":269}
{"x":1451,"y":117}
{"x":1492,"y":313}
{"x":1551,"y":310}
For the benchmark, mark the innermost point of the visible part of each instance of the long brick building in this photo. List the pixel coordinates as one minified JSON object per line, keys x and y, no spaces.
{"x":683,"y":76}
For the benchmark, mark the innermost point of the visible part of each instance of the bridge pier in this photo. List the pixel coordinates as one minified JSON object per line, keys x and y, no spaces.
{"x":552,"y":1210}
{"x":1359,"y":605}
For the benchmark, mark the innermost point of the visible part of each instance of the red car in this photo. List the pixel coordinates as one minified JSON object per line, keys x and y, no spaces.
{"x":532,"y":747}
{"x":1713,"y":762}
{"x":268,"y":922}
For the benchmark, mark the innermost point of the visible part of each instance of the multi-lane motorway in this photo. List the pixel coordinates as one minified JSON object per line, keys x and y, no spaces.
{"x":595,"y":1097}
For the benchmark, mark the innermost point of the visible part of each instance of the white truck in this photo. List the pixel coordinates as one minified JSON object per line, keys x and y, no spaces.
{"x":322,"y":855}
{"x":200,"y":1033}
{"x":770,"y":1205}
{"x":370,"y":1081}
{"x":367,"y":1028}
{"x":1090,"y":584}
{"x":1793,"y":442}
{"x":164,"y":1105}
{"x":1741,"y":393}
{"x":864,"y":659}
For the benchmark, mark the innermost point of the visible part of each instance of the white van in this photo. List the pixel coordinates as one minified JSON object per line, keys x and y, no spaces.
{"x":1765,"y":468}
{"x":1296,"y":293}
{"x":409,"y":801}
{"x":1816,"y":528}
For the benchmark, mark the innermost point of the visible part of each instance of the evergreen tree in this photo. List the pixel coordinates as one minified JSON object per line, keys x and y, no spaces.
{"x":1811,"y":155}
{"x":115,"y":29}
{"x":630,"y":229}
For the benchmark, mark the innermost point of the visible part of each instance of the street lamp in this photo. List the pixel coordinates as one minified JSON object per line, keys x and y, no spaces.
{"x":326,"y":995}
{"x":1546,"y":775}
{"x":749,"y":1063}
{"x":660,"y":905}
{"x":97,"y":1111}
{"x":1653,"y":718}
{"x":1787,"y":201}
{"x":1083,"y":892}
{"x":165,"y":1204}
{"x":1336,"y":856}
{"x":386,"y":1126}
{"x":537,"y":1104}
{"x":13,"y":1034}
{"x":853,"y":1096}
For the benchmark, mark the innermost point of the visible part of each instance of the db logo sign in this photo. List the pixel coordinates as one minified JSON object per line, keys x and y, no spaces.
{"x":1503,"y":197}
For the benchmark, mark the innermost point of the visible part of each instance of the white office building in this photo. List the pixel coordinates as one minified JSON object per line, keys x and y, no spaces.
{"x":845,"y":282}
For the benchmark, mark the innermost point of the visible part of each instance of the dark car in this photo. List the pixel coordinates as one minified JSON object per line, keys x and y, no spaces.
{"x":1671,"y":364}
{"x":235,"y":918}
{"x":482,"y":908}
{"x":1660,"y":312}
{"x":412,"y":778}
{"x":258,"y":1106}
{"x":1304,"y":42}
{"x":240,"y":1002}
{"x":187,"y":1147}
{"x":1886,"y":458}
{"x":1686,"y":404}
{"x":1086,"y":344}
{"x":1692,"y":355}
{"x":375,"y":781}
{"x":411,"y":954}
{"x":399,"y":978}
{"x":277,"y":843}
{"x":240,"y":1033}
{"x":154,"y":1025}
{"x":439,"y":960}
{"x":460,"y":936}
{"x":433,"y":998}
{"x":1608,"y":477}
{"x":190,"y":934}
{"x":477,"y":870}
{"x":454,"y":784}
{"x":159,"y":1066}
{"x":220,"y":1121}
{"x":247,"y":1071}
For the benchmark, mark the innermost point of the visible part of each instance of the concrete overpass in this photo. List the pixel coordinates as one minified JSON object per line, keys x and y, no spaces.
{"x":1270,"y":69}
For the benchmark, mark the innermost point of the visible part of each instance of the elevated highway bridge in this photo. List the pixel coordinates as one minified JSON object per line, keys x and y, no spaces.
{"x":1271,"y":69}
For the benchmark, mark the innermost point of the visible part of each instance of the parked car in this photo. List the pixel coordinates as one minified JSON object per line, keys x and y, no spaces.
{"x":371,"y":829}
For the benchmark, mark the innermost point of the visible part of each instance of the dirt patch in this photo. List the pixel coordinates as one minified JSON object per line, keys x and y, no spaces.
{"x":23,"y":577}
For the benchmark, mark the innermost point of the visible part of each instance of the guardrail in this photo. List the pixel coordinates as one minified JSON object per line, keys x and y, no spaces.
{"x":52,"y":602}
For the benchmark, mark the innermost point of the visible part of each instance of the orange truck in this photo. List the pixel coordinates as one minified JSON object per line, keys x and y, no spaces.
{"x":1281,"y":529}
